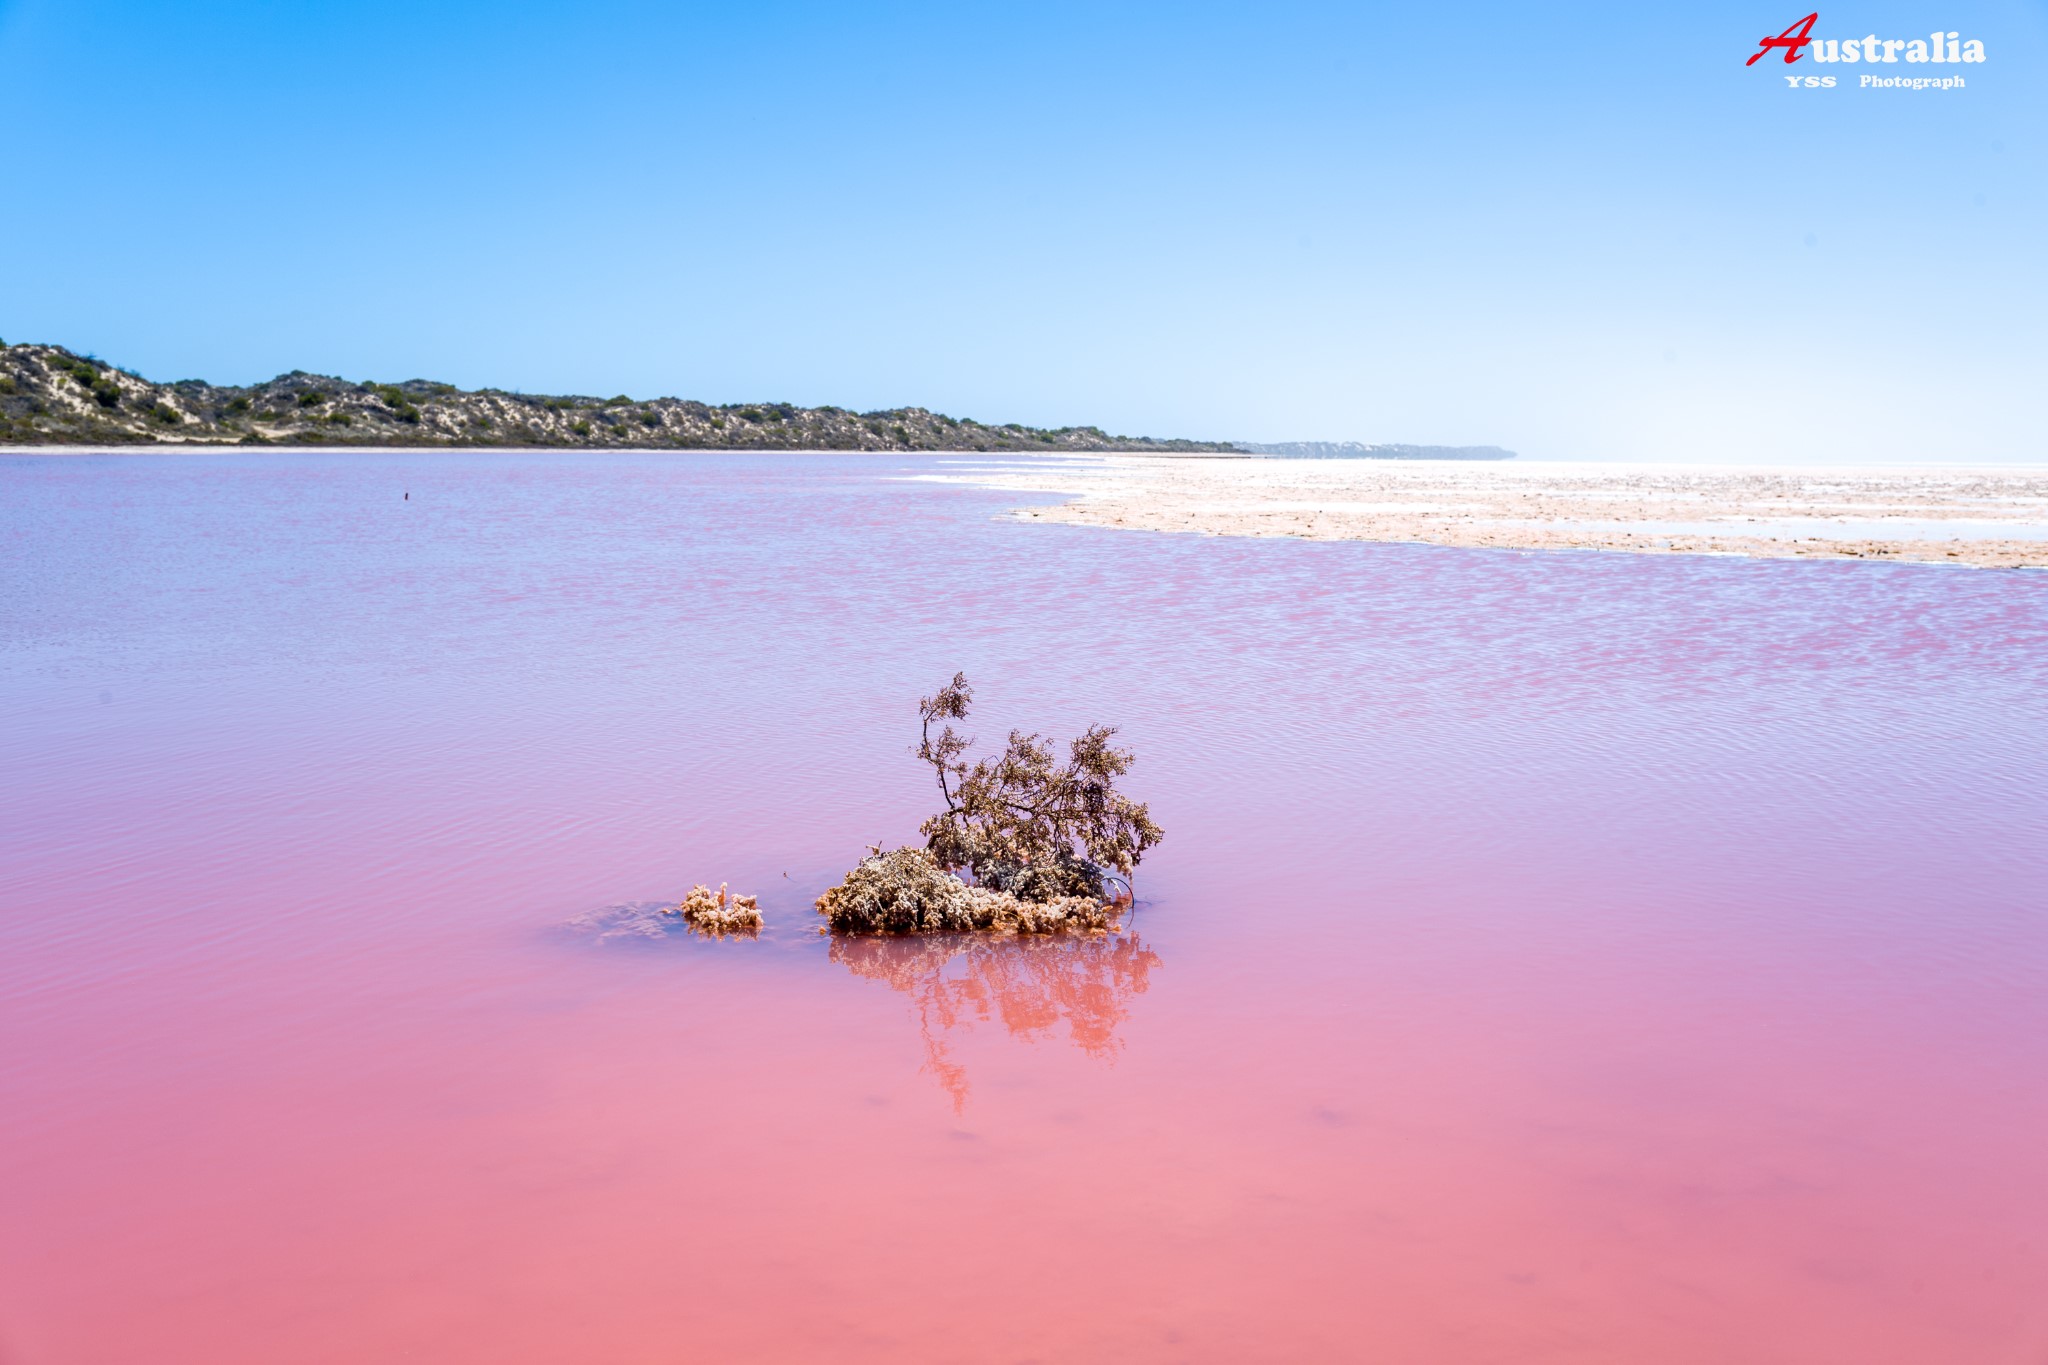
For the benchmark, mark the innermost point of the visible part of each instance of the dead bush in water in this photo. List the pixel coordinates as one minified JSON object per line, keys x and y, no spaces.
{"x":718,"y":913}
{"x":1051,"y":845}
{"x":1025,"y":822}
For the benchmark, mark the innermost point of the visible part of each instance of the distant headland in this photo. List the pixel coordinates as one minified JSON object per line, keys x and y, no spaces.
{"x":50,"y":395}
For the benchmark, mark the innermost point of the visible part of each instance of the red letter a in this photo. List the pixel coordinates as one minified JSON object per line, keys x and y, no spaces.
{"x":1787,"y":41}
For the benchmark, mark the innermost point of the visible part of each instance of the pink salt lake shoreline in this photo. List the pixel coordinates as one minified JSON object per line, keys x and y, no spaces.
{"x":1980,"y":516}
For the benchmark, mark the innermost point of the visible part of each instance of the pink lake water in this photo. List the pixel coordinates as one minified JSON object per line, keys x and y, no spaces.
{"x":1566,"y":957}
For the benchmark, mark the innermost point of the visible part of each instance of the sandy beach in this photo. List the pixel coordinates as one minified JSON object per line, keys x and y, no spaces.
{"x":1984,"y":516}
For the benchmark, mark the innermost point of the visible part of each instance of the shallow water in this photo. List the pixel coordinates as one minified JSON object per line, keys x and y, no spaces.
{"x":1552,"y":957}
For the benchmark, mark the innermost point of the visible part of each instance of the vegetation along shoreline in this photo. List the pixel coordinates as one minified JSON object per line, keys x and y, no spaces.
{"x":52,"y":396}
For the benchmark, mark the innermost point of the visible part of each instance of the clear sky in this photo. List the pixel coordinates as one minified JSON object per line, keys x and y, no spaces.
{"x":1581,"y":231}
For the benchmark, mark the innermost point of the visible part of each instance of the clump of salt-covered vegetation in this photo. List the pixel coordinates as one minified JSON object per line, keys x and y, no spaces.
{"x":1050,"y":844}
{"x":905,"y":891}
{"x":717,"y":912}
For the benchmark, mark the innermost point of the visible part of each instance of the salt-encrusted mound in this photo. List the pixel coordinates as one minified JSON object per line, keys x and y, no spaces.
{"x":905,"y":891}
{"x":718,"y":913}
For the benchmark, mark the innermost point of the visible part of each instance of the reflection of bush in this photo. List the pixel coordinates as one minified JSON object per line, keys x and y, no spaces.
{"x":1030,"y":985}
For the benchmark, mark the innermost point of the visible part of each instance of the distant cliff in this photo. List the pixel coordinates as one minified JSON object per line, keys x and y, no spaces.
{"x":49,"y":396}
{"x":1352,"y":450}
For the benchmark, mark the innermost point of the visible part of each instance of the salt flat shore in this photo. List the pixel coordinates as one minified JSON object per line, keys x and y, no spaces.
{"x":1985,"y":516}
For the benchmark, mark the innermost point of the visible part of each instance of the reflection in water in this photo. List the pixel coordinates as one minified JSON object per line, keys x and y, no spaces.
{"x":644,"y":921}
{"x":632,"y":920}
{"x":1032,"y":983}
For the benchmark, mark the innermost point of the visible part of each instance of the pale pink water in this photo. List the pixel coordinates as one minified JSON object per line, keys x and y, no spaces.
{"x":1553,"y":958}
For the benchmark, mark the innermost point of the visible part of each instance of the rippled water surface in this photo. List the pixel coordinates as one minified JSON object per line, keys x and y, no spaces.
{"x":1567,"y":957}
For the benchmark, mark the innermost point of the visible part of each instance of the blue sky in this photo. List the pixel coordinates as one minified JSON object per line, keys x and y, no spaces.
{"x":1579,"y":231}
